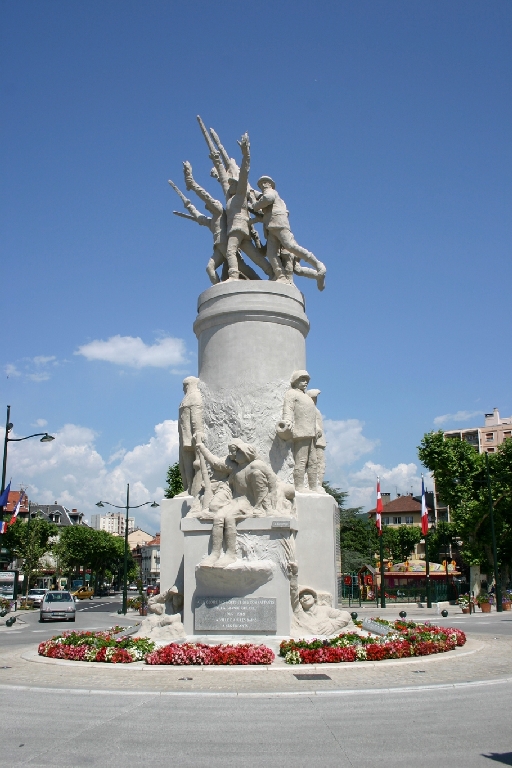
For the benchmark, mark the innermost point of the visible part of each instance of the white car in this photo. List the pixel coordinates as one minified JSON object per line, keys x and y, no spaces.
{"x":58,"y":605}
{"x":36,"y":596}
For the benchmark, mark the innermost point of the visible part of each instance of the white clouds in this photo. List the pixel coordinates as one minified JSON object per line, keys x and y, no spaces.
{"x":39,"y":374}
{"x":346,"y":442}
{"x":72,"y":471}
{"x":42,"y":360}
{"x":345,"y":445}
{"x":459,"y":416}
{"x":133,"y":352}
{"x":402,"y":479}
{"x":40,"y":423}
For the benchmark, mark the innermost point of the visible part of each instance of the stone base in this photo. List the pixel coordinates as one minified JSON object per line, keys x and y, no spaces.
{"x":250,"y":597}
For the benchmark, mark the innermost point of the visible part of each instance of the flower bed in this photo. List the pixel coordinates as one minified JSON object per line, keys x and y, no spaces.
{"x":407,"y":639}
{"x":97,"y":646}
{"x":198,"y":653}
{"x":104,"y":646}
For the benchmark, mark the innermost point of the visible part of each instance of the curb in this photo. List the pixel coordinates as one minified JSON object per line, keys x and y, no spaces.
{"x":268,"y":695}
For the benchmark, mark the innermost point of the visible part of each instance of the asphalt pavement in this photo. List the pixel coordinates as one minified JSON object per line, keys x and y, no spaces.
{"x":464,"y":728}
{"x":90,"y":615}
{"x":452,"y":709}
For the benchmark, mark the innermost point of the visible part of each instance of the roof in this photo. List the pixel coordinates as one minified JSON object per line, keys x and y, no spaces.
{"x":401,"y":504}
{"x":134,"y":530}
{"x":67,"y":516}
{"x":14,"y":497}
{"x":153,"y":543}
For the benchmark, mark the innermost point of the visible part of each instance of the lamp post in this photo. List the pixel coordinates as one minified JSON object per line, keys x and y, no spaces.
{"x":45,"y":438}
{"x":427,"y":572}
{"x":497,"y":578}
{"x":125,"y":567}
{"x":382,"y":572}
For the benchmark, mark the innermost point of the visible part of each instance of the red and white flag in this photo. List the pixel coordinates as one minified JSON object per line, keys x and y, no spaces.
{"x":17,"y":509}
{"x":424,"y":510}
{"x":378,"y":509}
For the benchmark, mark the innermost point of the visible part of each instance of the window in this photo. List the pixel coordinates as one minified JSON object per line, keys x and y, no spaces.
{"x":489,"y":437}
{"x":385,"y":521}
{"x":397,"y":521}
{"x":507,"y":435}
{"x":409,"y":520}
{"x":490,"y":450}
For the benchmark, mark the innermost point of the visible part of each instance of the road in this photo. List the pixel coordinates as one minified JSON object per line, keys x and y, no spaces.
{"x":57,"y":716}
{"x":90,"y":615}
{"x":466,"y":728}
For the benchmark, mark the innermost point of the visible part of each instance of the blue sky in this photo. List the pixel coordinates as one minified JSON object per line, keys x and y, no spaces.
{"x":387,"y":126}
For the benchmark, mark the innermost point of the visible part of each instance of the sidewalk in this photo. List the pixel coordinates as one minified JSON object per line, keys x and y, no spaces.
{"x":483,"y":658}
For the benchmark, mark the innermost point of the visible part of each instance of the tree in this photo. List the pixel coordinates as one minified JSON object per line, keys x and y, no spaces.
{"x":75,"y":549}
{"x":461,"y":480}
{"x":358,"y":536}
{"x":442,"y":540}
{"x":98,"y":551}
{"x":30,"y":541}
{"x":399,"y":543}
{"x":174,"y":482}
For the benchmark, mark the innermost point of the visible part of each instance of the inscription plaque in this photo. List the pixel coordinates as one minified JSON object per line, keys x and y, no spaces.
{"x":376,"y":628}
{"x":280,"y":524}
{"x":247,"y":614}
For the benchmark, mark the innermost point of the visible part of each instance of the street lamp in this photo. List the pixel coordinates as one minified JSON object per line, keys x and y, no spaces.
{"x":125,"y":569}
{"x":45,"y":438}
{"x":497,"y":575}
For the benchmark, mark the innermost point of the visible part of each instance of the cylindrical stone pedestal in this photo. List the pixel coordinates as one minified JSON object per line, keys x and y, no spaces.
{"x":251,"y":338}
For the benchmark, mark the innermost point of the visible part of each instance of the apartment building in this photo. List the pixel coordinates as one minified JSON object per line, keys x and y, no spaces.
{"x":487,"y":438}
{"x":150,"y":561}
{"x":112,"y":523}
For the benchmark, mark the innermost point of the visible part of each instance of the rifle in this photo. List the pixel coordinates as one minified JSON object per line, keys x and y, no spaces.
{"x":207,"y":137}
{"x":225,"y":157}
{"x":184,"y":215}
{"x":184,"y":199}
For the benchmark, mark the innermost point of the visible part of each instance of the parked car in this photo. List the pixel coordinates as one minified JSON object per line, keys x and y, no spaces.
{"x":132,"y":588}
{"x":153,"y":589}
{"x":36,"y":596}
{"x":82,"y":593}
{"x":57,"y":605}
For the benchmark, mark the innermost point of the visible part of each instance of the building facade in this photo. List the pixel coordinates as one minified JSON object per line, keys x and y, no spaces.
{"x":487,"y":438}
{"x":404,"y":510}
{"x":112,"y":523}
{"x":150,"y":561}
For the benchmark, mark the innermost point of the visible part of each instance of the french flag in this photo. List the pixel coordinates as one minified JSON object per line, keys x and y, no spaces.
{"x":424,"y":510}
{"x":4,"y":498}
{"x":17,"y":508}
{"x":378,"y":509}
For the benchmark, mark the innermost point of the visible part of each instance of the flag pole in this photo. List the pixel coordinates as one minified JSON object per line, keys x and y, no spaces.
{"x":427,"y":556}
{"x":382,"y":572}
{"x":378,"y":521}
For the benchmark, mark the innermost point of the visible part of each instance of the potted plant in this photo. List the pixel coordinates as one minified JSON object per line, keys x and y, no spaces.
{"x":506,"y":600}
{"x":484,"y":602}
{"x":464,"y":603}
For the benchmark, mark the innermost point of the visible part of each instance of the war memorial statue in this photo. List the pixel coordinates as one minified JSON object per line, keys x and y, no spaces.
{"x":254,"y":518}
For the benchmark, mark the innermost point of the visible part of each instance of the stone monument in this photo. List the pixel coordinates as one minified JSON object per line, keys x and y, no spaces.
{"x":251,"y":546}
